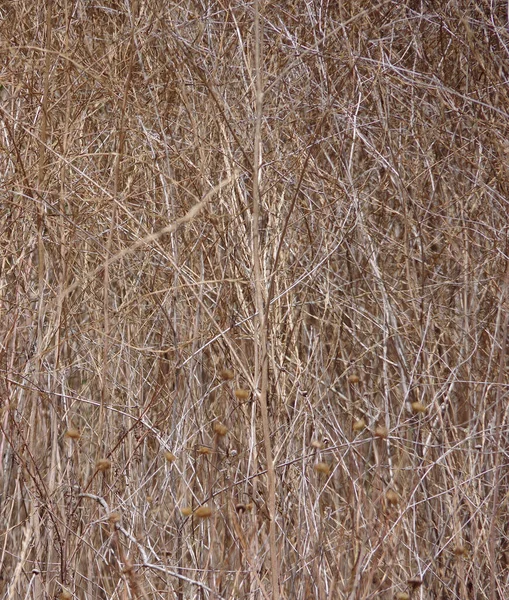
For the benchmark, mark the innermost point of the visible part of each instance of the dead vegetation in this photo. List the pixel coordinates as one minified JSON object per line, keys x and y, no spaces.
{"x":254,"y":300}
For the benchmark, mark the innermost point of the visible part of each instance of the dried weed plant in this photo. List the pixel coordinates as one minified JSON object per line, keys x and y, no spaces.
{"x":254,"y":299}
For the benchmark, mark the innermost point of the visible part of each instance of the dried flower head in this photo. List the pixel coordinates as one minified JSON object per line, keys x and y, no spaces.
{"x":359,"y":425}
{"x":392,"y":497}
{"x":203,"y":450}
{"x":65,"y":595}
{"x":381,"y":432}
{"x":169,"y":456}
{"x":186,"y":511}
{"x":418,"y":407}
{"x":114,"y":517}
{"x":73,"y":433}
{"x":203,"y":512}
{"x":460,"y":550}
{"x":103,"y":464}
{"x":226,"y":374}
{"x":322,"y":467}
{"x":241,"y":394}
{"x":220,"y":428}
{"x":354,"y":378}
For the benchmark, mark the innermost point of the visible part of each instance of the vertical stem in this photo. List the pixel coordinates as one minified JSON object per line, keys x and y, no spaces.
{"x":40,"y":180}
{"x":261,"y":365}
{"x":41,"y":265}
{"x":498,"y":427}
{"x":116,"y":193}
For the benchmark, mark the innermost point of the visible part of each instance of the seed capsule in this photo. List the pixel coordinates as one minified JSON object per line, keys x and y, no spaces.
{"x":226,"y":374}
{"x":73,"y":433}
{"x":359,"y":425}
{"x":103,"y":464}
{"x":169,"y":456}
{"x":392,"y":497}
{"x":381,"y":432}
{"x":322,"y":467}
{"x":220,"y":428}
{"x":203,"y":512}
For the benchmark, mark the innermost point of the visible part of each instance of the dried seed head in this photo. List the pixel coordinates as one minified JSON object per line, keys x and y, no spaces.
{"x":103,"y":464}
{"x":322,"y":467}
{"x":402,"y":596}
{"x":73,"y":433}
{"x":241,"y":394}
{"x":354,"y":378}
{"x":359,"y":425}
{"x":203,"y":512}
{"x":169,"y":456}
{"x":392,"y":497}
{"x":204,"y":450}
{"x":381,"y":432}
{"x":226,"y":374}
{"x":460,"y":550}
{"x":65,"y":595}
{"x":220,"y":428}
{"x":114,"y":517}
{"x":418,"y":407}
{"x":128,"y":568}
{"x":317,"y":444}
{"x":187,"y":511}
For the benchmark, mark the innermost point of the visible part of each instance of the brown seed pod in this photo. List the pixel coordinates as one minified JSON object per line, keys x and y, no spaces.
{"x":381,"y":432}
{"x":241,"y":394}
{"x":203,"y":512}
{"x":419,"y":408}
{"x":186,"y":511}
{"x":103,"y":464}
{"x":169,"y":456}
{"x":460,"y":550}
{"x":128,"y":568}
{"x":65,"y":595}
{"x":353,"y":378}
{"x":220,"y":428}
{"x":359,"y":425}
{"x":392,"y":497}
{"x":203,"y":450}
{"x":402,"y":596}
{"x":73,"y":433}
{"x":114,"y":517}
{"x":226,"y":374}
{"x":322,"y":467}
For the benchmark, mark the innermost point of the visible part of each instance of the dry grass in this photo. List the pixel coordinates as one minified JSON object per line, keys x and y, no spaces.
{"x":254,"y":300}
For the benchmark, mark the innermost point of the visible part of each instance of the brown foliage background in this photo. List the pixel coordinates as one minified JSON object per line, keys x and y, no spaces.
{"x":382,"y":247}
